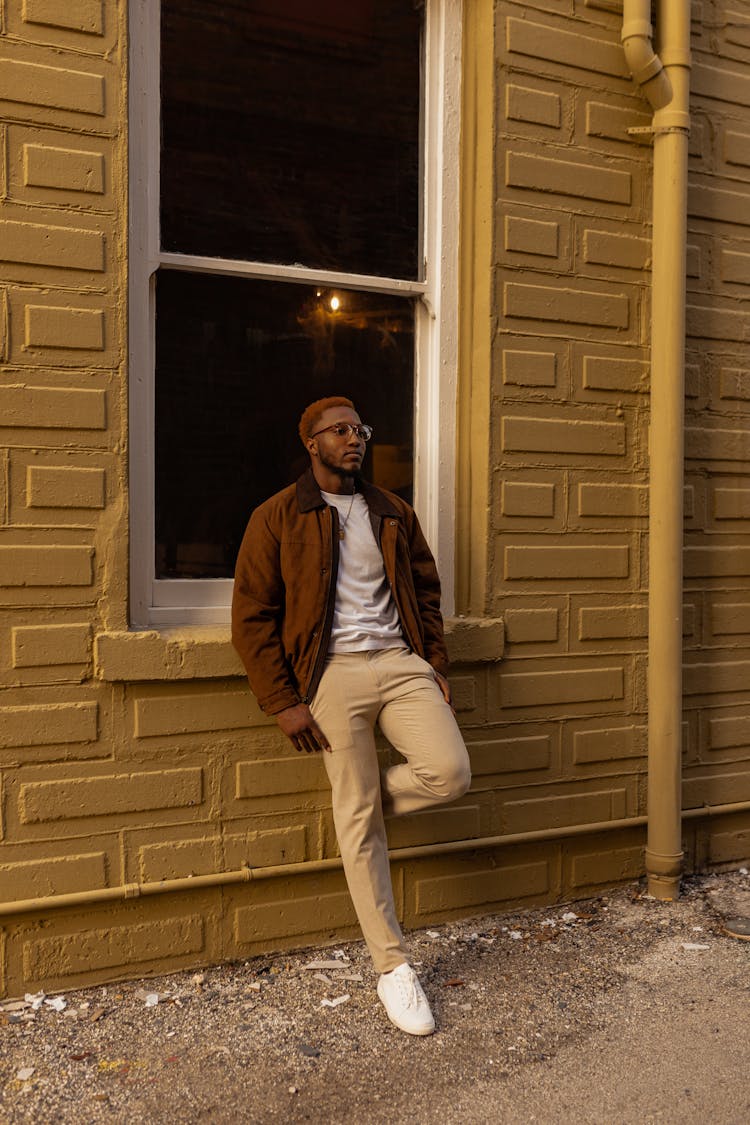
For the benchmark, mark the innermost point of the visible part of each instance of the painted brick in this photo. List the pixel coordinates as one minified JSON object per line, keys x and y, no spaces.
{"x":4,"y":322}
{"x":46,"y":566}
{"x":717,"y":445}
{"x":530,"y":815}
{"x":53,"y":875}
{"x":571,"y":306}
{"x":521,"y":499}
{"x":52,"y":87}
{"x":729,"y":733}
{"x":475,"y":888}
{"x":472,"y":640}
{"x":602,"y":373}
{"x":50,"y":327}
{"x":47,"y":801}
{"x":530,"y":236}
{"x":569,"y":48}
{"x":719,"y":205}
{"x":52,"y":408}
{"x":732,"y":503}
{"x":580,"y":685}
{"x":522,"y":562}
{"x":609,"y":744}
{"x":525,"y":626}
{"x":292,"y":917}
{"x":78,"y":15}
{"x":179,"y":859}
{"x":71,"y":955}
{"x":37,"y":245}
{"x":42,"y":646}
{"x":49,"y":486}
{"x":562,"y":435}
{"x":434,"y":826}
{"x":273,"y":776}
{"x":717,"y":562}
{"x":529,"y":369}
{"x":716,"y":789}
{"x":47,"y":724}
{"x":734,"y":384}
{"x":723,"y":84}
{"x":464,"y":693}
{"x":611,"y":122}
{"x":730,"y":618}
{"x":712,"y":679}
{"x":735,"y":267}
{"x":612,"y":500}
{"x":565,"y":177}
{"x":536,"y":106}
{"x":266,"y":848}
{"x":729,"y":847}
{"x":693,"y":261}
{"x":613,"y":622}
{"x":67,"y":169}
{"x":510,"y":755}
{"x":608,"y":866}
{"x":737,"y":148}
{"x":737,"y":29}
{"x":193,"y":714}
{"x":606,"y":249}
{"x":188,"y":654}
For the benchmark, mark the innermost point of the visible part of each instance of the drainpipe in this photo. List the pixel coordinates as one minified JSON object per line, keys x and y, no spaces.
{"x":665,"y":81}
{"x":318,"y":866}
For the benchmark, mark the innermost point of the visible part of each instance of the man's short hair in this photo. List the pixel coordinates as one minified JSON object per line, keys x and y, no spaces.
{"x":314,"y":412}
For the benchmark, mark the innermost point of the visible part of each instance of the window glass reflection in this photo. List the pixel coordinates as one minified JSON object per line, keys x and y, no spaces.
{"x":290,"y":132}
{"x":237,"y":362}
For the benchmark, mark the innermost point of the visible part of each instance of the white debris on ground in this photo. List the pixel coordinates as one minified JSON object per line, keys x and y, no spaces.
{"x":507,"y":991}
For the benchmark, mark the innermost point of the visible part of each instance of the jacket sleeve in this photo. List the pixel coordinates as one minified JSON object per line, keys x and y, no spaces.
{"x":427,"y":590}
{"x":257,"y":609}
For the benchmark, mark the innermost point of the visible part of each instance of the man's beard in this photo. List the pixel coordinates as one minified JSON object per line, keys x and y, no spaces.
{"x":339,"y":470}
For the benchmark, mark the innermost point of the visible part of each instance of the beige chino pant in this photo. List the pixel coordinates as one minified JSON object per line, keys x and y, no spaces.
{"x":397,"y":689}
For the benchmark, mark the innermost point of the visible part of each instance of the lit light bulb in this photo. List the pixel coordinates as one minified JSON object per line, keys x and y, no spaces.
{"x":335,"y":303}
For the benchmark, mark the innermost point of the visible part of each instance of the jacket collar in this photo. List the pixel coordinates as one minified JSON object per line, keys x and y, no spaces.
{"x":309,"y":497}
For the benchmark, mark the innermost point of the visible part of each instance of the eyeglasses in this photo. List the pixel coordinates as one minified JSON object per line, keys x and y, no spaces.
{"x":345,"y":429}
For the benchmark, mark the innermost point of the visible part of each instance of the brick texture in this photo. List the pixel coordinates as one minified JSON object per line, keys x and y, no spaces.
{"x":138,"y":756}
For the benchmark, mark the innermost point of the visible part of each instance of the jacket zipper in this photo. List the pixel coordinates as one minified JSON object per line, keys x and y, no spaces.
{"x":325,"y":632}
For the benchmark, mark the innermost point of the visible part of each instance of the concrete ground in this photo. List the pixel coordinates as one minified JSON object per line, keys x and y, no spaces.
{"x":620,"y":1010}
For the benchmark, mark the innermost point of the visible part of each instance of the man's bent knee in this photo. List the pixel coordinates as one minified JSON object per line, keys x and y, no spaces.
{"x":456,"y":780}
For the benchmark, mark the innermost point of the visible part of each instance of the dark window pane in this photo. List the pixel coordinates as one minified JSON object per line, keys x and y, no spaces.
{"x":290,"y":132}
{"x":237,"y":361}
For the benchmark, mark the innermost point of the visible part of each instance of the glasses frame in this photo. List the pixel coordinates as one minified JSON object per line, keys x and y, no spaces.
{"x":361,"y":429}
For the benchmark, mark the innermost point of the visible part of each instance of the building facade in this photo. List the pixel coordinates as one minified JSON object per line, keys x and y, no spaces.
{"x":151,"y":817}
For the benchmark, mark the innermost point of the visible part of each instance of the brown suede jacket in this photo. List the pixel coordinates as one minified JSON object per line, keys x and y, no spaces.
{"x":285,"y":588}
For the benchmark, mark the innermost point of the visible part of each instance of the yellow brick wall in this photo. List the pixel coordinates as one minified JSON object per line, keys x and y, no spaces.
{"x":128,"y":759}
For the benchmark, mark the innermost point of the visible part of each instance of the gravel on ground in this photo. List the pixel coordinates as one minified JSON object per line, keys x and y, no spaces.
{"x":618,"y":1009}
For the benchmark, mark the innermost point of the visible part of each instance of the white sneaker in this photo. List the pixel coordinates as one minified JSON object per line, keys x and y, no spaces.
{"x":405,"y":1002}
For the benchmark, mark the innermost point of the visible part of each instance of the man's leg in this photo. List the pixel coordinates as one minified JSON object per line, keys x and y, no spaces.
{"x":418,"y":722}
{"x":345,"y":706}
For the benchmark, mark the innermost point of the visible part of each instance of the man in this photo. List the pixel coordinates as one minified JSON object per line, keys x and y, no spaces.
{"x":336,"y":616}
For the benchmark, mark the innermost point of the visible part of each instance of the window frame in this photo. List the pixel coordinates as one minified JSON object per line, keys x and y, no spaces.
{"x":206,"y":601}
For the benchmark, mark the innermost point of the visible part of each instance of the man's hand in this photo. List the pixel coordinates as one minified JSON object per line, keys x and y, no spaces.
{"x":445,"y":687}
{"x":301,"y":729}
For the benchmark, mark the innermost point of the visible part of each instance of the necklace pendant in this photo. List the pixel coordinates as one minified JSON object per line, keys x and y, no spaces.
{"x":342,"y":533}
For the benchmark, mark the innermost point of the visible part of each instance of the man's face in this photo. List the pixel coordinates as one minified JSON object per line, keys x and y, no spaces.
{"x":341,"y":455}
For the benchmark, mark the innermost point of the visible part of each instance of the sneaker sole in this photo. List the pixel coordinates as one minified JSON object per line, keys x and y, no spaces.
{"x":400,"y":1026}
{"x":410,"y":1030}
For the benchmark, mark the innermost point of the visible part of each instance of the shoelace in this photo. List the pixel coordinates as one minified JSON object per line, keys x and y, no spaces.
{"x":409,"y":986}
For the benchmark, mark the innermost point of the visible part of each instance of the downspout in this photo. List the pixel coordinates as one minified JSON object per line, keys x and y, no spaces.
{"x":665,"y":81}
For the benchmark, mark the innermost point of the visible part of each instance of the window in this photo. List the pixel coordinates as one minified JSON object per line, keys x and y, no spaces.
{"x":293,"y":215}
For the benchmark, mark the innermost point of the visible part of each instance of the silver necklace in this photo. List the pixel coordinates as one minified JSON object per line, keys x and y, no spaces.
{"x":343,"y":522}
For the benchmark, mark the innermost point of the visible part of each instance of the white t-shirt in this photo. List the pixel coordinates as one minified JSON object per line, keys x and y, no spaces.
{"x":365,"y":615}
